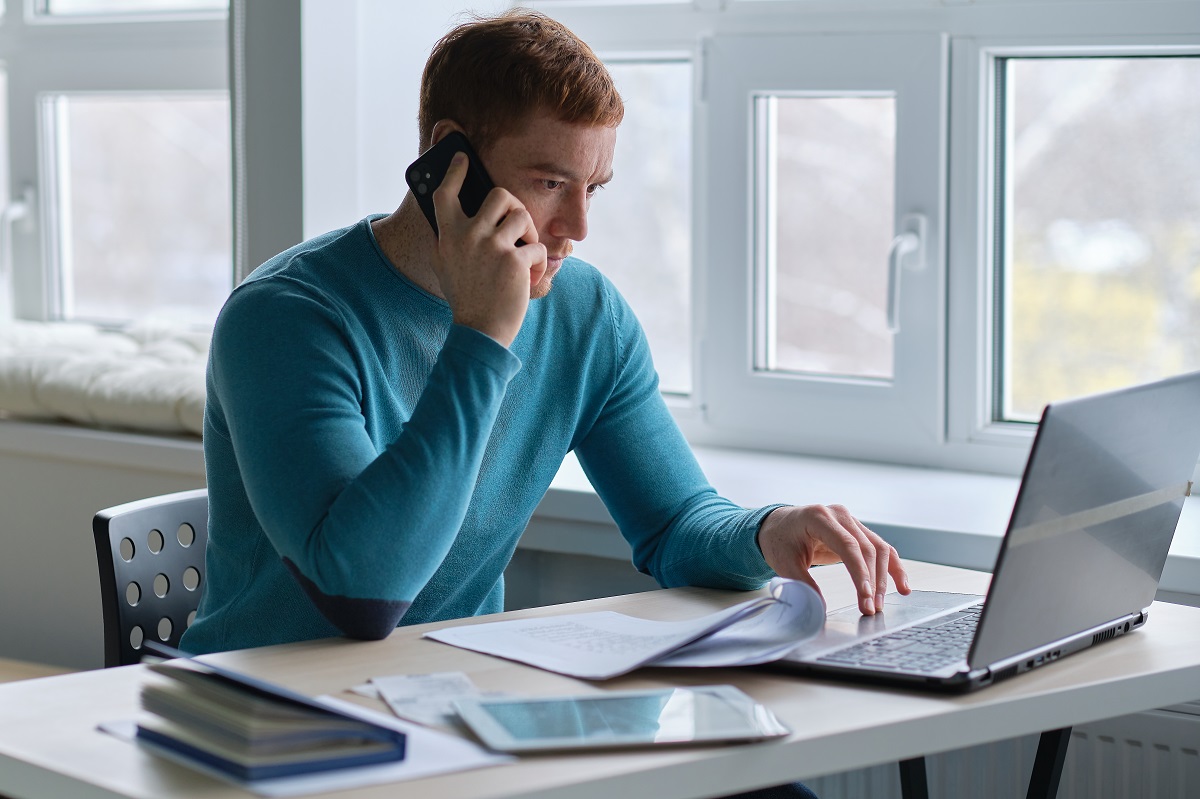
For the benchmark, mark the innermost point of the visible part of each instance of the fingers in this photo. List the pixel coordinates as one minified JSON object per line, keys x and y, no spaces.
{"x":502,"y":212}
{"x":539,"y":264}
{"x":852,"y":541}
{"x":446,"y":207}
{"x":512,"y":221}
{"x":899,"y":575}
{"x":483,"y":272}
{"x":882,"y":562}
{"x":883,"y":553}
{"x":515,"y":227}
{"x":869,"y":559}
{"x":793,"y":539}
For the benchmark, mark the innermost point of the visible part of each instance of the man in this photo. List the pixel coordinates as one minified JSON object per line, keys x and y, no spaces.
{"x":387,"y":406}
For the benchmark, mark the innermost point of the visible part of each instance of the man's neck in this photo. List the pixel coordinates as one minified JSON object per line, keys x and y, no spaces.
{"x":408,"y":242}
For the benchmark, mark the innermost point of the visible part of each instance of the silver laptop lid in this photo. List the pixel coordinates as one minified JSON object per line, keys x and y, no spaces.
{"x":1099,"y":502}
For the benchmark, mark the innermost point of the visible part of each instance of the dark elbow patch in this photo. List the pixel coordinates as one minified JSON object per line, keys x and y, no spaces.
{"x":369,"y":619}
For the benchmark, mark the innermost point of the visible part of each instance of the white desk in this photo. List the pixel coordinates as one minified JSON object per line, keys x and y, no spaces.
{"x":49,"y":748}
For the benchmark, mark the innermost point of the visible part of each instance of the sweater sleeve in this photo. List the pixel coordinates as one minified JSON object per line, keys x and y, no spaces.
{"x":361,"y":530}
{"x":681,"y":531}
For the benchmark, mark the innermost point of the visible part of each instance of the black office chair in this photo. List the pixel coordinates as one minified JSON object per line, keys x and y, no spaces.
{"x":151,"y":558}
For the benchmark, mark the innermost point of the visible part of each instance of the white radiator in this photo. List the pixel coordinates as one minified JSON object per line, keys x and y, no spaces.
{"x":1153,"y":755}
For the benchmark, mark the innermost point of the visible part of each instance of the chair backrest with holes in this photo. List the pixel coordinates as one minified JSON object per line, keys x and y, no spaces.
{"x":151,"y":559}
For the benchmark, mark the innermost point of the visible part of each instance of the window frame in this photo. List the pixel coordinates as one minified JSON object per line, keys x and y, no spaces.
{"x":975,"y":191}
{"x":44,"y":55}
{"x":819,"y":414}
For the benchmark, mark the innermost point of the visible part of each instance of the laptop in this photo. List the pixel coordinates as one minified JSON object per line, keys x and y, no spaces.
{"x":1079,"y":564}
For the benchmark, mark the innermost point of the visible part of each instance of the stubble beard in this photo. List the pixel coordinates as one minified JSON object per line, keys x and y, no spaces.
{"x":543,"y":286}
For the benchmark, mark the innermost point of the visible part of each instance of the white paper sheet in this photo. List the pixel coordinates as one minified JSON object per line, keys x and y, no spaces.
{"x":798,"y":616}
{"x":597,"y":646}
{"x":427,"y":698}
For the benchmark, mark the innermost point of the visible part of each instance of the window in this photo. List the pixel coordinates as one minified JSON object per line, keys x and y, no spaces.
{"x":1076,"y":178}
{"x":142,"y":204}
{"x":916,"y":224}
{"x":814,"y":176}
{"x":119,"y":143}
{"x":1099,"y":273}
{"x":828,"y":173}
{"x":640,"y":225}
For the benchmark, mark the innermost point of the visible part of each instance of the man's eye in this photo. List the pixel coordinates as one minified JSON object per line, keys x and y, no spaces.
{"x":552,"y":184}
{"x":595,"y":187}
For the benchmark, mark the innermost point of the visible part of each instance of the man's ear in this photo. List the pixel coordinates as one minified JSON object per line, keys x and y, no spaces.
{"x":441,"y":128}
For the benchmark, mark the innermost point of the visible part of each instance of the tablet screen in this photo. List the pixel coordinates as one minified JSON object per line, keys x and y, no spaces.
{"x":625,"y":718}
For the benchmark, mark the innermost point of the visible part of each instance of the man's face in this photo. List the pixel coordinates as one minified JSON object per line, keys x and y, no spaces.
{"x":553,"y":168}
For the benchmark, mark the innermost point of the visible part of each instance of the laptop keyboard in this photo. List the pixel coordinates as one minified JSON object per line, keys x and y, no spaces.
{"x":925,"y":647}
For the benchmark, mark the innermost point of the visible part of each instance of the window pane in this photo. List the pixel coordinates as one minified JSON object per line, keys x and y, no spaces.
{"x":1101,"y":272}
{"x":144,"y":205}
{"x":639,"y":226}
{"x":88,"y":7}
{"x":829,"y":167}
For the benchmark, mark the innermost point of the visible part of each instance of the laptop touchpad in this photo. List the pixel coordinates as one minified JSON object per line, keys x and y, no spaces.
{"x":846,"y":625}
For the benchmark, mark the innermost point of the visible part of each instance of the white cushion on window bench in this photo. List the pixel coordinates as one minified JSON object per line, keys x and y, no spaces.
{"x":146,"y":377}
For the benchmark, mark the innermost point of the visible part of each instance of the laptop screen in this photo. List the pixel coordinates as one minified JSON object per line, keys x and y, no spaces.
{"x":1099,"y":502}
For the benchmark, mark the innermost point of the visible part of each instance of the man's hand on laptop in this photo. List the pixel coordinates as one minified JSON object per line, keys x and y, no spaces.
{"x":793,"y":539}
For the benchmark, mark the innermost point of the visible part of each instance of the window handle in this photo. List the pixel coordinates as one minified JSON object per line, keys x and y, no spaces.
{"x":907,"y":250}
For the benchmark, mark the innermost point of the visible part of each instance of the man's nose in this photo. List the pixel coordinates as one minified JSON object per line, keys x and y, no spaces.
{"x":571,"y":220}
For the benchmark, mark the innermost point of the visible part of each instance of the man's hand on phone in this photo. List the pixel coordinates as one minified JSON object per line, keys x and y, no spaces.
{"x":483,"y":273}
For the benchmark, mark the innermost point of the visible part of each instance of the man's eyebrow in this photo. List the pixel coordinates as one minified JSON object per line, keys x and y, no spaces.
{"x":557,"y":170}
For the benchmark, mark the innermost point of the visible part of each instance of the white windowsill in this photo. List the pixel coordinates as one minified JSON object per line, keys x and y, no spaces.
{"x":118,"y":448}
{"x":956,"y":518}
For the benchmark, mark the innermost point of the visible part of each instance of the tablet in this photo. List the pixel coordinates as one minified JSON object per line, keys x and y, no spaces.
{"x":706,"y":714}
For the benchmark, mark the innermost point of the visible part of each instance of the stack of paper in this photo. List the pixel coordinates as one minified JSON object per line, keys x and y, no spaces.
{"x":597,"y":646}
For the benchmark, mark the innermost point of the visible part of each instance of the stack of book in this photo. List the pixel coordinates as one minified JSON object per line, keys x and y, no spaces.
{"x":252,"y":730}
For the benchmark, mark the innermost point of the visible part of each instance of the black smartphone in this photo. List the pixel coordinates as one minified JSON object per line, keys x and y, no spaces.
{"x":426,"y":173}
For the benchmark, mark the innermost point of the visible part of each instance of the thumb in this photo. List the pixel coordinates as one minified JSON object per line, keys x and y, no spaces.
{"x":806,"y":578}
{"x":538,"y":268}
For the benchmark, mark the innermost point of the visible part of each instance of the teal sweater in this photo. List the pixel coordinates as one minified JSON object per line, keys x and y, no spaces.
{"x":371,"y":463}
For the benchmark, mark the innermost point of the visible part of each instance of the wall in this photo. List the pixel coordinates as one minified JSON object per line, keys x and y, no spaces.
{"x":53,"y":479}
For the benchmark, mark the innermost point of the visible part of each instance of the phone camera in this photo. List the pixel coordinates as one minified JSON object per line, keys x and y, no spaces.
{"x":422,"y":188}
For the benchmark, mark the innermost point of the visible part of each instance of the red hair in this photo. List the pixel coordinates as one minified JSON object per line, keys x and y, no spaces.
{"x":489,"y":74}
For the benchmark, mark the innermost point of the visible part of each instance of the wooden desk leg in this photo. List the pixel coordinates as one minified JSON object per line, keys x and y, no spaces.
{"x":913,"y":782}
{"x":1048,"y":765}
